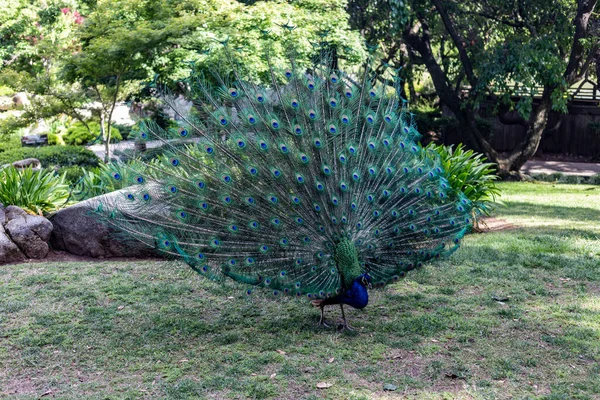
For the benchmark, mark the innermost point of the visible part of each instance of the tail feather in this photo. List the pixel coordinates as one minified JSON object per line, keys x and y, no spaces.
{"x":259,"y":184}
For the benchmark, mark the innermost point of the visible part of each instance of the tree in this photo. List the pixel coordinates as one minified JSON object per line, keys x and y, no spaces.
{"x":123,"y":44}
{"x":499,"y":49}
{"x":119,"y":42}
{"x":35,"y":36}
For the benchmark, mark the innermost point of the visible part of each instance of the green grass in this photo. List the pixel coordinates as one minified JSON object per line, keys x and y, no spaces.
{"x":513,"y":314}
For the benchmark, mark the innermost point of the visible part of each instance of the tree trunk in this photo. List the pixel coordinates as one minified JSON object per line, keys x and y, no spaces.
{"x":104,"y":136}
{"x":110,"y":114}
{"x":418,"y":38}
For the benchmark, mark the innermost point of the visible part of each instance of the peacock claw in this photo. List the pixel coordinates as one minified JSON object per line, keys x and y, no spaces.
{"x":344,"y":325}
{"x":324,"y":324}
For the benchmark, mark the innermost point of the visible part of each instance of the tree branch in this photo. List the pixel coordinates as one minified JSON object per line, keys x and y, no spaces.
{"x":458,"y":42}
{"x":575,"y":66}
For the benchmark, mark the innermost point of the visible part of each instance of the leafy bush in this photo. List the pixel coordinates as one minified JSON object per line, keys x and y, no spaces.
{"x":124,"y":130}
{"x":469,"y":173}
{"x":10,"y":143}
{"x":53,"y":156}
{"x":99,"y":181}
{"x":78,"y":134}
{"x":35,"y":191}
{"x":55,"y":140}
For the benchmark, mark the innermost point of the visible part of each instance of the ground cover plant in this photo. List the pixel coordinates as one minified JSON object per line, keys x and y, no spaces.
{"x":38,"y":192}
{"x":513,"y":314}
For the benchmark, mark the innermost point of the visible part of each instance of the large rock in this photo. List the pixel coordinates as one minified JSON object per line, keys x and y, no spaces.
{"x":29,"y":232}
{"x":78,"y":231}
{"x":9,"y":252}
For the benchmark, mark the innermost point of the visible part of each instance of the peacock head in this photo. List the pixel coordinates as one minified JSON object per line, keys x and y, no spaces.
{"x":365,"y":280}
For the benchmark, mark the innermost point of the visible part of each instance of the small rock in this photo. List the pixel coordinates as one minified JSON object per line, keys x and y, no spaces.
{"x":29,"y":232}
{"x":390,"y":387}
{"x":324,"y":385}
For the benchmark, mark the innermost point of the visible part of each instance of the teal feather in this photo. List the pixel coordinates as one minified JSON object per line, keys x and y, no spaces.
{"x":262,"y":185}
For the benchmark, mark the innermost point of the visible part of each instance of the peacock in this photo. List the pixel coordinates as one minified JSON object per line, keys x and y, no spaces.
{"x":314,"y":186}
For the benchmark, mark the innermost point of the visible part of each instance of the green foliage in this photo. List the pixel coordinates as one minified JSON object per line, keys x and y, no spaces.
{"x":78,"y":134}
{"x":468,"y":172}
{"x":9,"y":144}
{"x":124,"y":130}
{"x":53,"y":156}
{"x":35,"y":191}
{"x":98,"y":181}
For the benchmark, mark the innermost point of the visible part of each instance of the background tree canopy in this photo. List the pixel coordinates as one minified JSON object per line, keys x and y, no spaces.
{"x":78,"y":54}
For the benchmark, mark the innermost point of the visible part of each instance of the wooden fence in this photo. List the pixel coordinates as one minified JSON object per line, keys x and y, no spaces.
{"x":575,"y":133}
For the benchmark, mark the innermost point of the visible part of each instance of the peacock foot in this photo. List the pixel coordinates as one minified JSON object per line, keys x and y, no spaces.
{"x":323,"y":323}
{"x":345,"y":327}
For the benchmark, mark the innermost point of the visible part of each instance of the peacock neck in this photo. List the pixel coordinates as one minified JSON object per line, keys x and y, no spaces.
{"x":346,"y":259}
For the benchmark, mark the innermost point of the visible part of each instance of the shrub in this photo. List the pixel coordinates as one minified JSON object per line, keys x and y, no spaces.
{"x":53,"y":156}
{"x":55,"y":140}
{"x":78,"y":134}
{"x":10,"y":143}
{"x":469,"y":173}
{"x":124,"y":130}
{"x":99,"y":181}
{"x":35,"y":191}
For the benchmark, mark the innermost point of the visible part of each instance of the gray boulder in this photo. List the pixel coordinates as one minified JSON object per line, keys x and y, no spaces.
{"x":9,"y":252}
{"x":29,"y":232}
{"x":78,"y":231}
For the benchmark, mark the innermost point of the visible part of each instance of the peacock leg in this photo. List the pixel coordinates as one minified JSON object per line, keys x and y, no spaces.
{"x":322,"y":320}
{"x":345,"y":324}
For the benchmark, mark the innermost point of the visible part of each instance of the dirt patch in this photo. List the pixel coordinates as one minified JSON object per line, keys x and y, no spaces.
{"x":490,"y":224}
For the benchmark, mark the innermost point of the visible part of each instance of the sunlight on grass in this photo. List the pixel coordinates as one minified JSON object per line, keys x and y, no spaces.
{"x":513,"y":314}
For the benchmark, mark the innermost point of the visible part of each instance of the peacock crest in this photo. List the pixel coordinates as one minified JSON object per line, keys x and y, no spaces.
{"x":299,"y":188}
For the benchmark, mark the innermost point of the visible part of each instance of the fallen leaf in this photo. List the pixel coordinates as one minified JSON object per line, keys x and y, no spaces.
{"x":331,"y":360}
{"x":280,"y":352}
{"x":389,"y":387}
{"x":435,"y":341}
{"x":120,"y":307}
{"x":184,"y":360}
{"x":324,"y":385}
{"x":273,"y":376}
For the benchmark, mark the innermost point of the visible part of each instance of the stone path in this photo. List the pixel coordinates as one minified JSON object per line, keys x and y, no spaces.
{"x":566,"y":168}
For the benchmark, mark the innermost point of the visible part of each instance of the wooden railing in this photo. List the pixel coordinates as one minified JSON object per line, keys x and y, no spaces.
{"x":585,"y":91}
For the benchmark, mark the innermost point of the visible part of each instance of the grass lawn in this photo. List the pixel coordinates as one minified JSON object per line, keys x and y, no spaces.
{"x":513,"y":314}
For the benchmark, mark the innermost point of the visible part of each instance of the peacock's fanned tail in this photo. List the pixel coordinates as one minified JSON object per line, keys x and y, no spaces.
{"x":299,"y":187}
